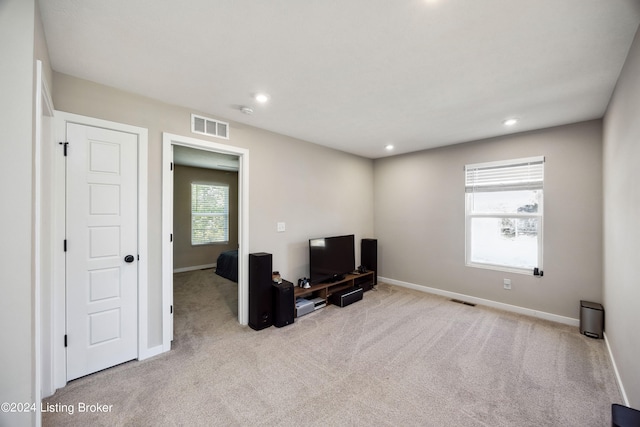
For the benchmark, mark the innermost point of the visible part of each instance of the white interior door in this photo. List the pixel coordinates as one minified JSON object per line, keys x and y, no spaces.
{"x":102,"y":231}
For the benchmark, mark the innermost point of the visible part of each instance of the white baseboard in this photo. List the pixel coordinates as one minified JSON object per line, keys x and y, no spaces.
{"x":615,"y":369}
{"x":150,"y":352}
{"x":499,"y":305}
{"x":192,"y":268}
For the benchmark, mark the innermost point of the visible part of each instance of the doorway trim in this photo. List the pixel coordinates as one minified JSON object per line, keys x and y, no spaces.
{"x":168,"y":142}
{"x":61,"y":119}
{"x":43,"y":385}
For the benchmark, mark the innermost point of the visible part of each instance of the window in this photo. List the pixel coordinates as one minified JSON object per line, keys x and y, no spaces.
{"x":504,"y":207}
{"x":209,"y":213}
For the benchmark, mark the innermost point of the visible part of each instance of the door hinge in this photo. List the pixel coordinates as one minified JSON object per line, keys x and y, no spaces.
{"x":65,"y":245}
{"x":171,"y":309}
{"x":171,"y":237}
{"x":171,"y":167}
{"x":65,"y":145}
{"x":65,"y":340}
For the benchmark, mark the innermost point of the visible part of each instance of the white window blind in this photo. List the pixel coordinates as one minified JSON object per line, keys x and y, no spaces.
{"x":513,"y":175}
{"x":209,"y":213}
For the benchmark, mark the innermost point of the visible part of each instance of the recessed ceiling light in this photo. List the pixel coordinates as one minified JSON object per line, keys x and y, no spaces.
{"x":510,"y":122}
{"x":388,"y":147}
{"x":261,"y":97}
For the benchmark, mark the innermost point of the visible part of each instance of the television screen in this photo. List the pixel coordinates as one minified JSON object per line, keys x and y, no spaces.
{"x":330,"y":258}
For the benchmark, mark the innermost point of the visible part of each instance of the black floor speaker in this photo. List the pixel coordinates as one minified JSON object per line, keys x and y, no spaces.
{"x":260,"y":290}
{"x":369,"y":256}
{"x":283,"y":304}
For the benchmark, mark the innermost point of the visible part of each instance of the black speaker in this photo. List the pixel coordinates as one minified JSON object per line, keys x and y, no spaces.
{"x":346,"y":297}
{"x":283,"y":304}
{"x":260,"y":290}
{"x":369,"y":256}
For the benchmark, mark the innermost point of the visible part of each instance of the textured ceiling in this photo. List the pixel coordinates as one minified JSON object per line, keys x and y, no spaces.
{"x":356,"y":74}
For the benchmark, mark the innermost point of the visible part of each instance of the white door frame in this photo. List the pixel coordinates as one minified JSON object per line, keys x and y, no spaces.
{"x":168,"y":141}
{"x":59,"y":367}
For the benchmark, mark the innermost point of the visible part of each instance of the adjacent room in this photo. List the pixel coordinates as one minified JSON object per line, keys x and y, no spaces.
{"x":154,"y":151}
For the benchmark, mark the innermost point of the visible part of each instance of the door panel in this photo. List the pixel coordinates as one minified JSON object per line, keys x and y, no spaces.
{"x":102,"y":289}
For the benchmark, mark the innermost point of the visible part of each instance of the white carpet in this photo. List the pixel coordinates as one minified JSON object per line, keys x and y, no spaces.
{"x":398,"y":357}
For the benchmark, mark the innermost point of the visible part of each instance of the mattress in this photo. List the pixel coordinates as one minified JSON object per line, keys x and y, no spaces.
{"x":227,"y":265}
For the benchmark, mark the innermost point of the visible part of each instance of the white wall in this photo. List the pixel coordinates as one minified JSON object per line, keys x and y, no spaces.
{"x":621,"y":224}
{"x":420,"y":219}
{"x":43,"y":244}
{"x":316,"y":191}
{"x":16,"y":285}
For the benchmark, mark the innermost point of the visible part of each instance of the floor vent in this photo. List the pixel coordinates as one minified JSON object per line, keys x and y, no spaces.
{"x":463,"y":302}
{"x":207,"y":126}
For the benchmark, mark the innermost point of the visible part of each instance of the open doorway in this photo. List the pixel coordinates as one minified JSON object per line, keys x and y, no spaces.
{"x":205,"y":208}
{"x":175,"y":150}
{"x":205,"y":235}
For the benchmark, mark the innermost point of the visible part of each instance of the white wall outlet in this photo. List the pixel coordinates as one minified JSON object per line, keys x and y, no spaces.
{"x":507,"y":283}
{"x":282,"y":227}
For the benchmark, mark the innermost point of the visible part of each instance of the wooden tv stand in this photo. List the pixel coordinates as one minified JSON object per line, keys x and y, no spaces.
{"x":324,"y":290}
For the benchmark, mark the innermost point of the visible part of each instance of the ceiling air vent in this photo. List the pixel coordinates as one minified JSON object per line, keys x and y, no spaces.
{"x":207,"y":126}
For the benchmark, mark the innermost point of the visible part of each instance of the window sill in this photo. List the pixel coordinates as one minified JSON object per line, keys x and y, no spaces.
{"x":525,"y":271}
{"x":196,"y":245}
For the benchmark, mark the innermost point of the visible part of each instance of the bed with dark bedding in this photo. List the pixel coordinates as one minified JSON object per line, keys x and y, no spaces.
{"x":227,"y":265}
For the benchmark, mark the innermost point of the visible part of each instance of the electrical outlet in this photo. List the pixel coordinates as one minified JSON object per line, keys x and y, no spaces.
{"x":507,"y":284}
{"x":281,"y":227}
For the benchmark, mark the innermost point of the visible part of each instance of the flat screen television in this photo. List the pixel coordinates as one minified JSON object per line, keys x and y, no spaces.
{"x":330,"y":258}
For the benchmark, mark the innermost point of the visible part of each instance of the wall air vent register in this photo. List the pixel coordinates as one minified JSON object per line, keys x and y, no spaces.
{"x":210,"y":127}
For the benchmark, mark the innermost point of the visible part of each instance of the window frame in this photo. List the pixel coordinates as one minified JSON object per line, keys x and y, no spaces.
{"x":502,"y":187}
{"x":209,"y":214}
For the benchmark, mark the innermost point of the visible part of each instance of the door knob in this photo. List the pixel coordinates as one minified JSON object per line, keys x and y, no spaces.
{"x":129,"y":258}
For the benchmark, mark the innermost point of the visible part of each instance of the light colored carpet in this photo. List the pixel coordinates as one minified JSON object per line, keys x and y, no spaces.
{"x":398,"y":357}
